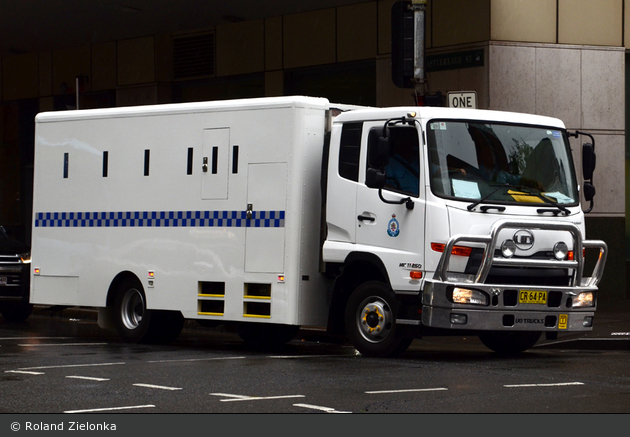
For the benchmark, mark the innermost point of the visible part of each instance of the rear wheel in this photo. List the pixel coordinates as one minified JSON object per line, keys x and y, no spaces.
{"x":508,"y":343}
{"x":370,"y":320}
{"x":132,"y":316}
{"x":135,"y":323}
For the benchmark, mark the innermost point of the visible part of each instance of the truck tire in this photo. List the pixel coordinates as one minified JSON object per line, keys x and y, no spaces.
{"x":509,"y":343}
{"x":370,"y":320}
{"x":15,"y":312}
{"x":135,"y":323}
{"x":132,"y":318}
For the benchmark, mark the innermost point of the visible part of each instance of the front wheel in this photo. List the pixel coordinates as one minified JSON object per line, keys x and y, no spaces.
{"x":509,"y":343}
{"x":370,"y":321}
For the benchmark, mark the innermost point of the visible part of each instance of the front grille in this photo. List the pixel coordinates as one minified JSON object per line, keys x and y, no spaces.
{"x":522,"y":275}
{"x":10,"y":271}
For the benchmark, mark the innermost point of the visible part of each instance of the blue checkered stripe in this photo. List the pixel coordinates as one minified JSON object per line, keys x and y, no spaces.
{"x":130,"y":219}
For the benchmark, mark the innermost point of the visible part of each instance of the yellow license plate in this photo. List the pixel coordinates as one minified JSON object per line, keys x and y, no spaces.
{"x":532,"y":296}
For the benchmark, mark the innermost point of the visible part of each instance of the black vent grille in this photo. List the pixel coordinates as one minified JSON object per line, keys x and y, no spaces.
{"x":193,"y":56}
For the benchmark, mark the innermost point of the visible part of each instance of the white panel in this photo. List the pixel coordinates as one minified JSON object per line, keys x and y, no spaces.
{"x":55,"y":290}
{"x":264,"y":241}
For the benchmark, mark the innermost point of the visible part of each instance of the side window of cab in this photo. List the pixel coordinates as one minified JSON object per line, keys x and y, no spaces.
{"x":350,"y":150}
{"x":403,"y":168}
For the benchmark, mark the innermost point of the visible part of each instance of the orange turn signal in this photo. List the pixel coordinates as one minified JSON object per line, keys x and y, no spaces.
{"x":571,"y":257}
{"x":414,"y":274}
{"x":457,"y":250}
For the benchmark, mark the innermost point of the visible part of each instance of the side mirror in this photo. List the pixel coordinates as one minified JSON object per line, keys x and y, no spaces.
{"x":378,"y":148}
{"x":589,"y":191}
{"x":377,"y":158}
{"x":588,"y":161}
{"x":375,"y":178}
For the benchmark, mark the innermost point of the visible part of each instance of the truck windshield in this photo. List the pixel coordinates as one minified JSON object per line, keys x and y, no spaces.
{"x":500,"y":163}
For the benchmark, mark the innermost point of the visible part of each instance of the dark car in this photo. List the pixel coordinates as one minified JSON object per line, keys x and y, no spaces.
{"x":15,"y":266}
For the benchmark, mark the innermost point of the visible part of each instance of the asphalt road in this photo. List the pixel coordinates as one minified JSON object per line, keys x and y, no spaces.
{"x":67,"y":365}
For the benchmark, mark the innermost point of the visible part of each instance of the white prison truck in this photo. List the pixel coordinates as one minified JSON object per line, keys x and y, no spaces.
{"x":272,"y":214}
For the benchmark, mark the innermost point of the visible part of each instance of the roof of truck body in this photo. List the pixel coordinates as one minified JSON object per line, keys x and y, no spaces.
{"x":182,"y":108}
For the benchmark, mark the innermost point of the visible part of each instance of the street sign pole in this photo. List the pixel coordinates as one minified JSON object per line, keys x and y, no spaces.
{"x":419,"y":12}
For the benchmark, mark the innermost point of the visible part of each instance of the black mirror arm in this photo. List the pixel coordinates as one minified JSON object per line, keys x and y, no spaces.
{"x":407,"y":201}
{"x":576,"y":134}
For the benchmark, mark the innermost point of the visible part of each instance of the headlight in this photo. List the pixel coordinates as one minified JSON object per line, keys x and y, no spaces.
{"x":468,"y":296}
{"x":26,"y":258}
{"x":560,"y":250}
{"x":584,"y":300}
{"x":508,"y":248}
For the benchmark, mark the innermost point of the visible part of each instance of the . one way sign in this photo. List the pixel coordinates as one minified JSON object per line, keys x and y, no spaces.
{"x":462,"y":99}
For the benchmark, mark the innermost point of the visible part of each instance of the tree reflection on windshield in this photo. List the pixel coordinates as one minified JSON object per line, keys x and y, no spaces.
{"x":470,"y":160}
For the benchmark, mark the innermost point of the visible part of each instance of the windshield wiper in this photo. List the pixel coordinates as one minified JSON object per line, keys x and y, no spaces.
{"x":544,"y":198}
{"x":527,"y":191}
{"x":484,"y":198}
{"x":563,"y":209}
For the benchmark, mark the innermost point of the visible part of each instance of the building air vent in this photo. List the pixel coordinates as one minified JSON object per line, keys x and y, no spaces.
{"x":193,"y":56}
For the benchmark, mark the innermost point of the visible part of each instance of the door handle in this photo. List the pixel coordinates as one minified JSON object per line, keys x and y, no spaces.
{"x":366,"y":218}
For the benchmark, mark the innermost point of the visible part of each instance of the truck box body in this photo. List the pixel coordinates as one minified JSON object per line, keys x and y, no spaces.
{"x":214,"y":206}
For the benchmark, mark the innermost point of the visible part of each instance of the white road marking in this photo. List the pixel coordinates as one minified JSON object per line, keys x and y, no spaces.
{"x":230,"y":396}
{"x":559,"y":384}
{"x":65,"y":366}
{"x":34,"y":338}
{"x":162,"y":387}
{"x":89,"y":378}
{"x":32,"y":370}
{"x":60,"y":344}
{"x":302,"y":356}
{"x":317,"y":407}
{"x":94,"y":410}
{"x":24,"y":371}
{"x":236,"y":398}
{"x":405,"y":390}
{"x":197,"y":359}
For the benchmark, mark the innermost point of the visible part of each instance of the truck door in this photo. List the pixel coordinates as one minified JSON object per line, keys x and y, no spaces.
{"x":393,"y":231}
{"x":266,"y":203}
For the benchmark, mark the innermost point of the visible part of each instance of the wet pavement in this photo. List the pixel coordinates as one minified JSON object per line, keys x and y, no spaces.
{"x":611,"y":327}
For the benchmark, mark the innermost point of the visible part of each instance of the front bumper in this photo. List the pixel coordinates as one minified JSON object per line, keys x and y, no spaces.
{"x":503,"y":311}
{"x":439,"y":312}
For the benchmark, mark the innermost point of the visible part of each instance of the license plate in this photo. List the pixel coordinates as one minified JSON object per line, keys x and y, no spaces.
{"x":3,"y":280}
{"x":532,"y":296}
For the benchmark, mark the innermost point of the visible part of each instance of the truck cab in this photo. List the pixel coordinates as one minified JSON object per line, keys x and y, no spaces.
{"x":458,"y":221}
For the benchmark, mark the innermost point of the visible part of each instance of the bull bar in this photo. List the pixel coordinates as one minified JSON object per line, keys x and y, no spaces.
{"x":438,"y":310}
